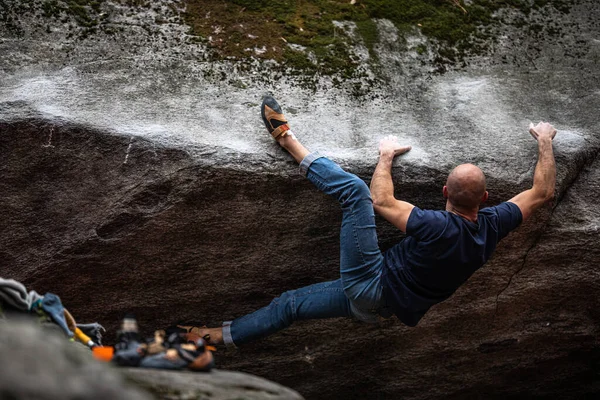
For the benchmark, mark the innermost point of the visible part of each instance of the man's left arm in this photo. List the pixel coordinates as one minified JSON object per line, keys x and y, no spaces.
{"x":382,"y":186}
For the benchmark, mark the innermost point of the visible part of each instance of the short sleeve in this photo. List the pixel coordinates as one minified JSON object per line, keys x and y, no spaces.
{"x":425,"y":225}
{"x":508,"y":216}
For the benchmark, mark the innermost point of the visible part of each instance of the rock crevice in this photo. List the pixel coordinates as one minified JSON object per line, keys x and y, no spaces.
{"x":593,"y":157}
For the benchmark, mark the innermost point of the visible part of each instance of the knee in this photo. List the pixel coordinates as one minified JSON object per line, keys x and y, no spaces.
{"x":284,"y":308}
{"x":356,"y":189}
{"x":354,"y":293}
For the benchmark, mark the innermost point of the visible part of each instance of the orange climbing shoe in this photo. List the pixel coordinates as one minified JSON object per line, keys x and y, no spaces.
{"x":273,"y":118}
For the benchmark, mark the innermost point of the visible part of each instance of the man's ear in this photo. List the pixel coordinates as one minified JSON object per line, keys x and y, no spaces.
{"x":445,"y":192}
{"x":485,"y":197}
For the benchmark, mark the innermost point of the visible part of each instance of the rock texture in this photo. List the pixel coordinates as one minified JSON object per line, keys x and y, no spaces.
{"x":216,"y":385}
{"x":133,"y":179}
{"x":39,"y":363}
{"x":42,"y":364}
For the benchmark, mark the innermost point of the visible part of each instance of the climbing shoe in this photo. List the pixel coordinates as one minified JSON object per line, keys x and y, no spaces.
{"x":192,"y":333}
{"x":273,"y":118}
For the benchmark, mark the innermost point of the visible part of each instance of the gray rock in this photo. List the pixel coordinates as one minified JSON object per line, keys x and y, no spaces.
{"x":42,"y":364}
{"x":138,"y":177}
{"x":215,"y":385}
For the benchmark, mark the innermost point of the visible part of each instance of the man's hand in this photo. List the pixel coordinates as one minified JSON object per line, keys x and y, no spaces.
{"x":542,"y":130}
{"x":382,"y":186}
{"x":389,"y":146}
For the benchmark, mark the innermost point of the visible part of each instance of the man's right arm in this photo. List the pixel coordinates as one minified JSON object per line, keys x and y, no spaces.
{"x":544,"y":179}
{"x":385,"y":204}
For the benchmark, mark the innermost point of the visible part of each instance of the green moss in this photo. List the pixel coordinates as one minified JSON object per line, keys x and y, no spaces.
{"x":236,"y":28}
{"x":421,"y":49}
{"x":309,"y":23}
{"x":51,"y":9}
{"x":370,"y":35}
{"x":298,"y":60}
{"x":85,"y":12}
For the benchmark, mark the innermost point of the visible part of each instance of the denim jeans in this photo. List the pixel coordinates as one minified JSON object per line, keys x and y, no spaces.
{"x":358,"y":292}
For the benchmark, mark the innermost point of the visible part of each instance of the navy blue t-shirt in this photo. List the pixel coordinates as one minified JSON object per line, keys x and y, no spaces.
{"x":440,"y":252}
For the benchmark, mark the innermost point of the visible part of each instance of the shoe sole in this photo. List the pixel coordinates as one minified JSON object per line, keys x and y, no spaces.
{"x":271,"y":111}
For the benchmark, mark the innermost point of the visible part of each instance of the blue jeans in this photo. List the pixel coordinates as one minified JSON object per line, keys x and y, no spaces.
{"x":358,"y":293}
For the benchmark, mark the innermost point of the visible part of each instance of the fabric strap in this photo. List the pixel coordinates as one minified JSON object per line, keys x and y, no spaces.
{"x":280,"y":130}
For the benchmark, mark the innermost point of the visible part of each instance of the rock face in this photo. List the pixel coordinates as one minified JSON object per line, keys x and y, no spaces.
{"x":135,"y":180}
{"x":42,"y":364}
{"x":216,"y":385}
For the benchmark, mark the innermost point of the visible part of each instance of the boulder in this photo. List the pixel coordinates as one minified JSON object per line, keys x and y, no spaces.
{"x":42,"y":364}
{"x":136,"y":176}
{"x":215,"y":385}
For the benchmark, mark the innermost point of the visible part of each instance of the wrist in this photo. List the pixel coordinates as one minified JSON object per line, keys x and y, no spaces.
{"x":387,"y":154}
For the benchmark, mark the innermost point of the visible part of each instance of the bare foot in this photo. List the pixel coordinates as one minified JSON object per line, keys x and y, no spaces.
{"x":289,"y":142}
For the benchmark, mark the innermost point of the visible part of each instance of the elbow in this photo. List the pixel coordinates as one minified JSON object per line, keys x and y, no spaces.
{"x":548,"y":194}
{"x":544,"y":195}
{"x":376,"y":200}
{"x":380,"y":202}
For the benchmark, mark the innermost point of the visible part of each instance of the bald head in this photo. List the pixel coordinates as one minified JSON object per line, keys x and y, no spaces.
{"x":465,"y":187}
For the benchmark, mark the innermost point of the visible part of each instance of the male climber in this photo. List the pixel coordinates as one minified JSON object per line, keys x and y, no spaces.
{"x":441,"y":251}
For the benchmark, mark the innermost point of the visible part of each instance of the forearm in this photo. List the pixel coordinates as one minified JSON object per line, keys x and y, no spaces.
{"x":382,"y":186}
{"x":544,"y":179}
